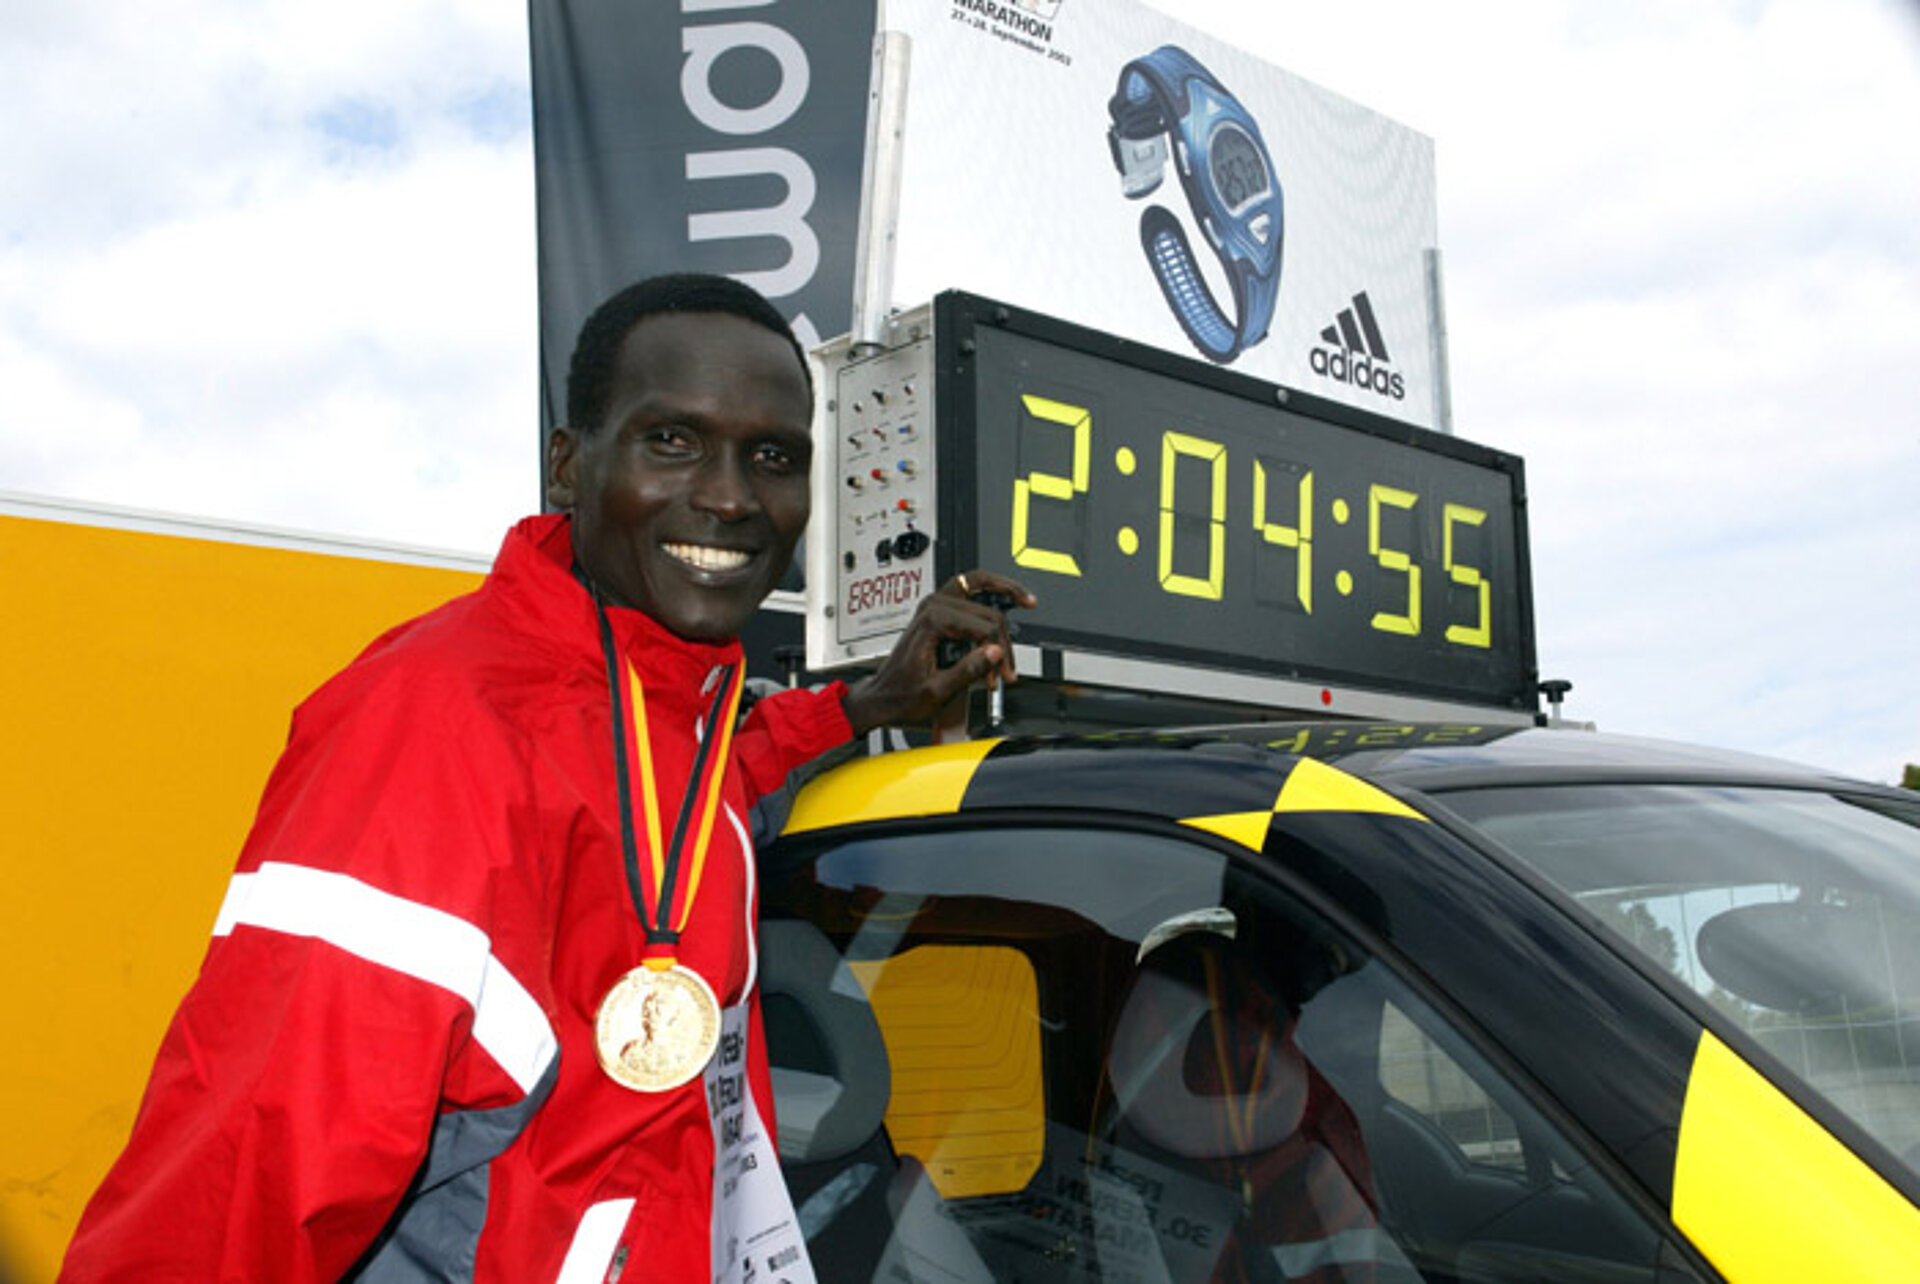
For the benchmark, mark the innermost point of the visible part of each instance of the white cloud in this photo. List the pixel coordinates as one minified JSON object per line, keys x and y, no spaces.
{"x":295,"y":290}
{"x":1684,"y":283}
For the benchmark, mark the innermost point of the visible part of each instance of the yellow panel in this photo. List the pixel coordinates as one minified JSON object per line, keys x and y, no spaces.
{"x":1769,"y":1195}
{"x":926,"y":782}
{"x":147,"y":682}
{"x":963,"y":1035}
{"x":1314,"y":786}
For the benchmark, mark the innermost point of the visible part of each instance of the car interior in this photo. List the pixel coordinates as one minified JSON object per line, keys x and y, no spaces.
{"x":975,"y":1086}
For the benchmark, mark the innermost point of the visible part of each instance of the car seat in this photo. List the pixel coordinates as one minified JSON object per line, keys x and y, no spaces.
{"x":1205,"y":1080}
{"x":866,"y":1213}
{"x":831,"y":1085}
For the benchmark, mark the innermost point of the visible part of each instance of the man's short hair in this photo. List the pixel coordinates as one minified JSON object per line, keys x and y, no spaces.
{"x":590,"y":373}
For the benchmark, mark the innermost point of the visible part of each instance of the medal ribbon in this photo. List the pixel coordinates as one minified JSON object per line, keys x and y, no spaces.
{"x":702,"y":794}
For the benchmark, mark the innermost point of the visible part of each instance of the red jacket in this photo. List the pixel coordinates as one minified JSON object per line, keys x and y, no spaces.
{"x":386,"y":1064}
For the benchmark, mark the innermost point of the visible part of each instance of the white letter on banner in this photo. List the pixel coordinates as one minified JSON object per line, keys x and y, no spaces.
{"x":704,"y":45}
{"x":787,"y":221}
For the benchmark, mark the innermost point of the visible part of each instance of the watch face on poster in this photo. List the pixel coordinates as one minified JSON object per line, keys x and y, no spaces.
{"x":1162,"y":508}
{"x":1238,"y":171}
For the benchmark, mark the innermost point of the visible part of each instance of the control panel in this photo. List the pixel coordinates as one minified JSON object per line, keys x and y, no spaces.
{"x":874,"y":484}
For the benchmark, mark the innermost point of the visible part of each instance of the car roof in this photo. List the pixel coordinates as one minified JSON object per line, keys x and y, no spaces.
{"x":1438,"y":757}
{"x":1230,"y":777}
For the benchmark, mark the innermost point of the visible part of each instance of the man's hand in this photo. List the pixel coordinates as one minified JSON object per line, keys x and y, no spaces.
{"x":911,"y":688}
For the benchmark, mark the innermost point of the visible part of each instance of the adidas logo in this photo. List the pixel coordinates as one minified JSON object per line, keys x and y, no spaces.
{"x":1357,"y":352}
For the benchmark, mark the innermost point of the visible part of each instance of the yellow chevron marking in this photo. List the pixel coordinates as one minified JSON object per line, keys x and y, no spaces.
{"x":1248,"y":828}
{"x":1769,"y":1195}
{"x":924,"y":782}
{"x":1314,"y":786}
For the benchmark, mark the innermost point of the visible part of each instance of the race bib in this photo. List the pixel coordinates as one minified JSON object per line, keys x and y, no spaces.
{"x":756,"y":1237}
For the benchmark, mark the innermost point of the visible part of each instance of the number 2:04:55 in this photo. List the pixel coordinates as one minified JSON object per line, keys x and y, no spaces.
{"x":1178,"y":448}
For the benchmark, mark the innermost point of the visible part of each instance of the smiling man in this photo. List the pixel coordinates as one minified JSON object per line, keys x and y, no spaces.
{"x":685,"y":463}
{"x":480,"y":1003}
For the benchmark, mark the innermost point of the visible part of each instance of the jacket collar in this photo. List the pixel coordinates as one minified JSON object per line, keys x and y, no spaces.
{"x":534,"y":574}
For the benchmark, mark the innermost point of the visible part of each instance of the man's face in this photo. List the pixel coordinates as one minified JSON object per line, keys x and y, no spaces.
{"x":688,"y":499}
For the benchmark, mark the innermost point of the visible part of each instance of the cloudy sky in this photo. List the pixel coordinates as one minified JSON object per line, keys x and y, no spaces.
{"x":273,"y":261}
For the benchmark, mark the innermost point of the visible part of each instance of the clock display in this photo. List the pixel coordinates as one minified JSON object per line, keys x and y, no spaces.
{"x":1163,"y":508}
{"x":1239,"y":175}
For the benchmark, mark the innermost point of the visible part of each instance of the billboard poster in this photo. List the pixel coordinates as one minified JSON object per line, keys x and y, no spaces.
{"x":1091,"y":159}
{"x":706,"y":135}
{"x":1099,"y":162}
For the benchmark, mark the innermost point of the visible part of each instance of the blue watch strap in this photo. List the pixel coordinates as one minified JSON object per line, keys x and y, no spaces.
{"x":1171,"y":256}
{"x":1168,"y":68}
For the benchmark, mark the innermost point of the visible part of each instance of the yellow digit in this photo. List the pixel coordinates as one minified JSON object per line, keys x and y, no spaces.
{"x":1172,"y":446}
{"x":1295,"y":537}
{"x":1393,"y":559}
{"x":1297,"y":743}
{"x":1470,"y":576}
{"x":1052,"y":485}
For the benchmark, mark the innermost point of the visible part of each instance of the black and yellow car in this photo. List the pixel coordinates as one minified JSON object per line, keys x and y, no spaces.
{"x":1342,"y":1001}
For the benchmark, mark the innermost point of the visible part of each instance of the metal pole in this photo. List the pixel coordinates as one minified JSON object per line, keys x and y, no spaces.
{"x":880,"y":190}
{"x":1437,"y":345}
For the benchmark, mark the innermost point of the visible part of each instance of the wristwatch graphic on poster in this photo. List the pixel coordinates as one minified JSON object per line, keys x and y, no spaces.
{"x":1168,"y":97}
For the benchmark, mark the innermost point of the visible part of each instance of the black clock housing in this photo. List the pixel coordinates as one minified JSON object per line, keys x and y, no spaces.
{"x":1164,"y":508}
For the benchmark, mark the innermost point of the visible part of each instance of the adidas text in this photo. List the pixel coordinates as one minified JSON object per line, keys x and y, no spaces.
{"x":1358,"y":370}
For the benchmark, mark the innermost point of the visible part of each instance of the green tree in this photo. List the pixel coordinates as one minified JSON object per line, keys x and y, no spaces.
{"x":1637,"y":923}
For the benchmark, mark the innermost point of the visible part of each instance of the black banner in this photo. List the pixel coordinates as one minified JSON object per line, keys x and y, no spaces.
{"x":709,"y":135}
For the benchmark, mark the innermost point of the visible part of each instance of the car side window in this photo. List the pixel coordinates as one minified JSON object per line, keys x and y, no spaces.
{"x":1121,"y":1056}
{"x":1417,"y":1074}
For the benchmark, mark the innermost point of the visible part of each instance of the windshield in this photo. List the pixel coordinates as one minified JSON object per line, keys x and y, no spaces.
{"x":1795,"y":914}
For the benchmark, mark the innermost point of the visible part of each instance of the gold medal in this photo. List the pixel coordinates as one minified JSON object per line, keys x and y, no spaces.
{"x":657,"y":1028}
{"x":659,"y":1025}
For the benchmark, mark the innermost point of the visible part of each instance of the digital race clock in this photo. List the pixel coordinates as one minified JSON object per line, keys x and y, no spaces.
{"x":1162,"y":509}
